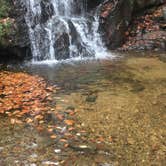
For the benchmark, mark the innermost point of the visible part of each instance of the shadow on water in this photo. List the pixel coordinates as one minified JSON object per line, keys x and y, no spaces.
{"x":120,"y":103}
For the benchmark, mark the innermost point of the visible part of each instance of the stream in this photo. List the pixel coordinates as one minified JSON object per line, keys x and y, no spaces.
{"x":120,"y":117}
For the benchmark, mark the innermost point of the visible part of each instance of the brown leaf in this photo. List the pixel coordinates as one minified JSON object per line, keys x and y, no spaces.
{"x":53,"y":136}
{"x":69,"y":122}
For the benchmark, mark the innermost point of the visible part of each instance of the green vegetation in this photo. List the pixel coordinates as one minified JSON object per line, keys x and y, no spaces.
{"x":4,"y":8}
{"x":5,"y":22}
{"x":5,"y":28}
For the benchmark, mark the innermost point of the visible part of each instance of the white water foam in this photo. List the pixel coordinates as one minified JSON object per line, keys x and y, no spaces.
{"x":47,"y":37}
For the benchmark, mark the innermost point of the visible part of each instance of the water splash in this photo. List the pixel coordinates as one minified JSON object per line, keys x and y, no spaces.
{"x":62,"y":29}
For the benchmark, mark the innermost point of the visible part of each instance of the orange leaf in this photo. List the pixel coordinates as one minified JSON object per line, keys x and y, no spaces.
{"x":63,"y":140}
{"x":50,"y":130}
{"x":59,"y":116}
{"x":16,"y":112}
{"x":71,"y":129}
{"x":66,"y":145}
{"x":28,"y":120}
{"x":39,"y":117}
{"x":69,"y":122}
{"x":53,"y":136}
{"x":24,"y":112}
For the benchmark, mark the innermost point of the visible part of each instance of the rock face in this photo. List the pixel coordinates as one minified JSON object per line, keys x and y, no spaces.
{"x":147,"y":32}
{"x":16,"y":45}
{"x":115,"y":19}
{"x":117,"y":15}
{"x":92,"y":4}
{"x":47,"y":10}
{"x":62,"y":46}
{"x":141,"y":4}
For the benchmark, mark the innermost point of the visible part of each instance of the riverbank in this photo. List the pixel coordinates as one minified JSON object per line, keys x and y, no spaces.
{"x":147,"y":31}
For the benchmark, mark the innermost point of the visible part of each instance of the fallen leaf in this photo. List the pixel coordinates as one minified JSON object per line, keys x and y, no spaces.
{"x":63,"y":140}
{"x":39,"y":117}
{"x":69,"y":122}
{"x":53,"y":136}
{"x":28,"y":120}
{"x":66,"y":145}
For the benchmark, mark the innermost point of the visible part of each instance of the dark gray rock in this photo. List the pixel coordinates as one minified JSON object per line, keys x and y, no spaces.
{"x":142,"y":4}
{"x":116,"y":16}
{"x":116,"y":23}
{"x":46,"y":10}
{"x":19,"y":45}
{"x":62,"y":47}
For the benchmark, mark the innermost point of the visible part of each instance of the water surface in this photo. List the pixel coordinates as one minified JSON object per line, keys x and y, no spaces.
{"x":120,"y":104}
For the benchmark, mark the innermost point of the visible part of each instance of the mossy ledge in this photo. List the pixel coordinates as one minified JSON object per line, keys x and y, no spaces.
{"x":12,"y":32}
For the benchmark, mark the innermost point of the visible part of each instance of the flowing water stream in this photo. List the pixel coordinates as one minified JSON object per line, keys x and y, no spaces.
{"x":62,"y":29}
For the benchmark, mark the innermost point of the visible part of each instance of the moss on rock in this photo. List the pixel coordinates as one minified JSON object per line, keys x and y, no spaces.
{"x":6,"y":22}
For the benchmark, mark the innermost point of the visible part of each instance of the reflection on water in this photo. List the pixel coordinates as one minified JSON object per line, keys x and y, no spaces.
{"x":123,"y":102}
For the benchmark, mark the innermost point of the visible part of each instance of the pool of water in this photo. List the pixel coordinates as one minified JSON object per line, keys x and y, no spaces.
{"x":120,"y":105}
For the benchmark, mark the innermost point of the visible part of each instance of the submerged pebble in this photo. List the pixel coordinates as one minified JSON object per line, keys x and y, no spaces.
{"x":45,"y":163}
{"x":57,"y":150}
{"x":1,"y":149}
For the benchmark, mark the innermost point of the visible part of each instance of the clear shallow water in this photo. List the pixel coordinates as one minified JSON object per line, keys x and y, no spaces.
{"x":121,"y":102}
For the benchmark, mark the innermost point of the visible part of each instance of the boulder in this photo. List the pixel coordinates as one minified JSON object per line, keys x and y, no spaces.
{"x":115,"y":19}
{"x":16,"y":44}
{"x":116,"y":15}
{"x":142,"y":4}
{"x":147,"y":32}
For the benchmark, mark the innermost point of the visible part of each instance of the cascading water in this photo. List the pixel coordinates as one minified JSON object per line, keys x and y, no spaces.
{"x":62,"y":29}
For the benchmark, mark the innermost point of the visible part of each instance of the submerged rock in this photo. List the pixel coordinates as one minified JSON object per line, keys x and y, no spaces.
{"x":83,"y":147}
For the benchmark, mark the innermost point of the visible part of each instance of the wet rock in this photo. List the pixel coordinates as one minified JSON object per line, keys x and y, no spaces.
{"x":77,"y":42}
{"x":141,"y":4}
{"x":115,"y":22}
{"x":116,"y":17}
{"x":62,"y":47}
{"x":1,"y":149}
{"x":162,"y":58}
{"x":91,"y":98}
{"x":147,"y":32}
{"x":14,"y":53}
{"x":93,"y":4}
{"x":46,"y":10}
{"x":137,"y":87}
{"x":70,"y":108}
{"x":16,"y":45}
{"x":164,"y":13}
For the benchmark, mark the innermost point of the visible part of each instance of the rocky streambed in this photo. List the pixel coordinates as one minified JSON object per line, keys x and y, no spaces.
{"x":107,"y":112}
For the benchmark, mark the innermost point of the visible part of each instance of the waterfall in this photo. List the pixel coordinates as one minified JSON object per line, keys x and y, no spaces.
{"x":62,"y":29}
